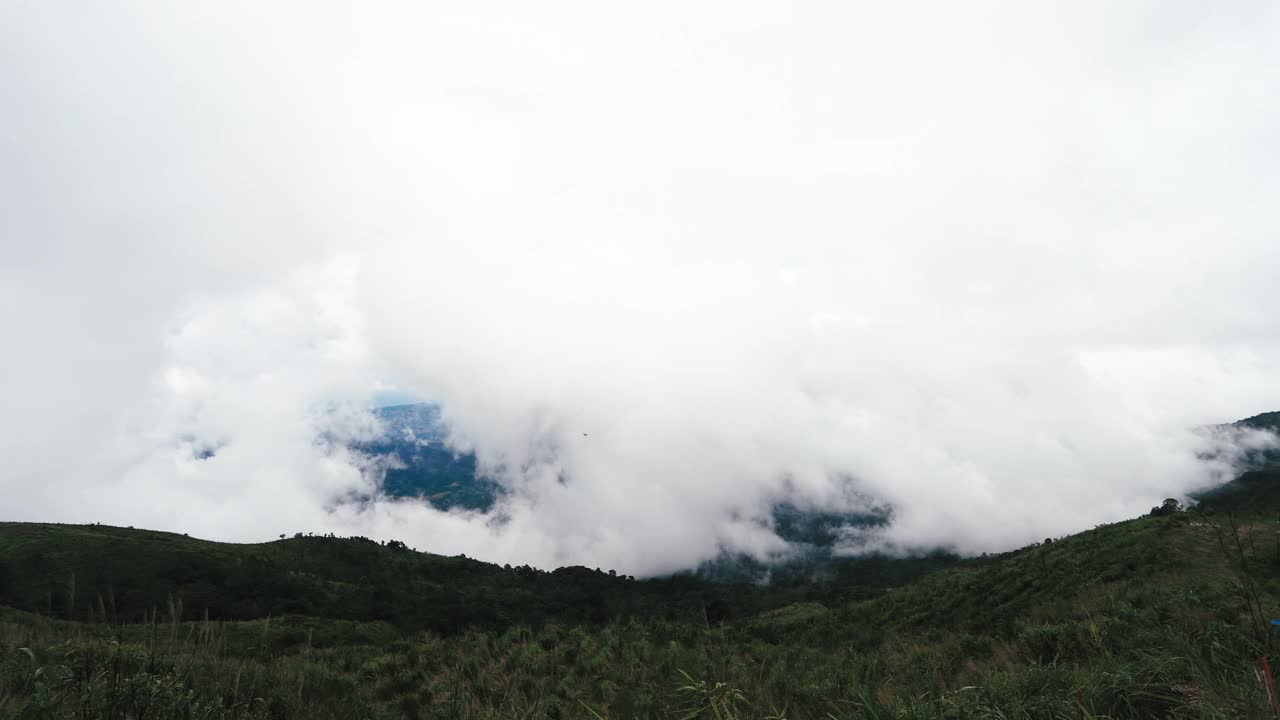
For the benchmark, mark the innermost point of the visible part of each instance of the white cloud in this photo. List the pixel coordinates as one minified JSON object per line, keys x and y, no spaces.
{"x":988,"y":265}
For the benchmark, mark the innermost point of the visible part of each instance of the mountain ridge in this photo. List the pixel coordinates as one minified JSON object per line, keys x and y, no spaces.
{"x":1157,"y":616}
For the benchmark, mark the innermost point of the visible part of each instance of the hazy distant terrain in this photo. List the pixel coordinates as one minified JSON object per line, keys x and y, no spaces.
{"x":425,"y":467}
{"x":415,"y":436}
{"x":1159,"y":616}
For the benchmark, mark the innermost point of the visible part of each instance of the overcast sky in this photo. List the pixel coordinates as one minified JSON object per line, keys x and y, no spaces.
{"x":663,"y":265}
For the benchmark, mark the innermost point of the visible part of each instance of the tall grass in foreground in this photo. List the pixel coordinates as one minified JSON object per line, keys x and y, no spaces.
{"x":1118,"y":660}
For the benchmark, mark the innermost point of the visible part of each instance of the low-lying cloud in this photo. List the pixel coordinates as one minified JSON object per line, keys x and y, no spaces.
{"x":662,"y":268}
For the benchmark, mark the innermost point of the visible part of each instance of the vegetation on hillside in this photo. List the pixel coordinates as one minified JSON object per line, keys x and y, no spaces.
{"x":97,"y":573}
{"x":1162,"y":616}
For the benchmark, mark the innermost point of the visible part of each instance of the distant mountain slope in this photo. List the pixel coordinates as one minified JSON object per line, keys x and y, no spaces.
{"x":1264,"y":421}
{"x":423,"y":466}
{"x":1260,"y":458}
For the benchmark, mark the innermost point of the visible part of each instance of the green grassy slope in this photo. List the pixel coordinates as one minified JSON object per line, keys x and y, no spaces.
{"x":1155,"y":617}
{"x":79,"y":572}
{"x":93,"y":572}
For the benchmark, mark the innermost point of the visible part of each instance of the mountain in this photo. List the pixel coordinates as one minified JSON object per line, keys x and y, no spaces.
{"x":421,"y":465}
{"x":1256,"y":456}
{"x":1163,"y":616}
{"x":1258,"y":485}
{"x":122,"y":574}
{"x":1263,"y":421}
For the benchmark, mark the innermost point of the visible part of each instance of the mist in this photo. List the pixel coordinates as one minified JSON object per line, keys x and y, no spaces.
{"x":662,"y":268}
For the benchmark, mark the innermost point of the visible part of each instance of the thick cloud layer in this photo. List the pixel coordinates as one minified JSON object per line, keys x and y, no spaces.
{"x":663,"y":267}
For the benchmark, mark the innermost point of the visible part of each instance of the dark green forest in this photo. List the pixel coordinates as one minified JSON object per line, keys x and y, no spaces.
{"x":1167,"y":615}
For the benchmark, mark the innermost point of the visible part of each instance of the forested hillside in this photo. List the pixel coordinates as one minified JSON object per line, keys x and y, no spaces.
{"x":96,"y":573}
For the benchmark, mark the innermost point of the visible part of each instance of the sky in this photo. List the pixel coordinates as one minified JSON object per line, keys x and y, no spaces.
{"x":663,"y":266}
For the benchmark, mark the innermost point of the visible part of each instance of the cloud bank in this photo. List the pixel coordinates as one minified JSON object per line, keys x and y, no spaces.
{"x":662,"y":267}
